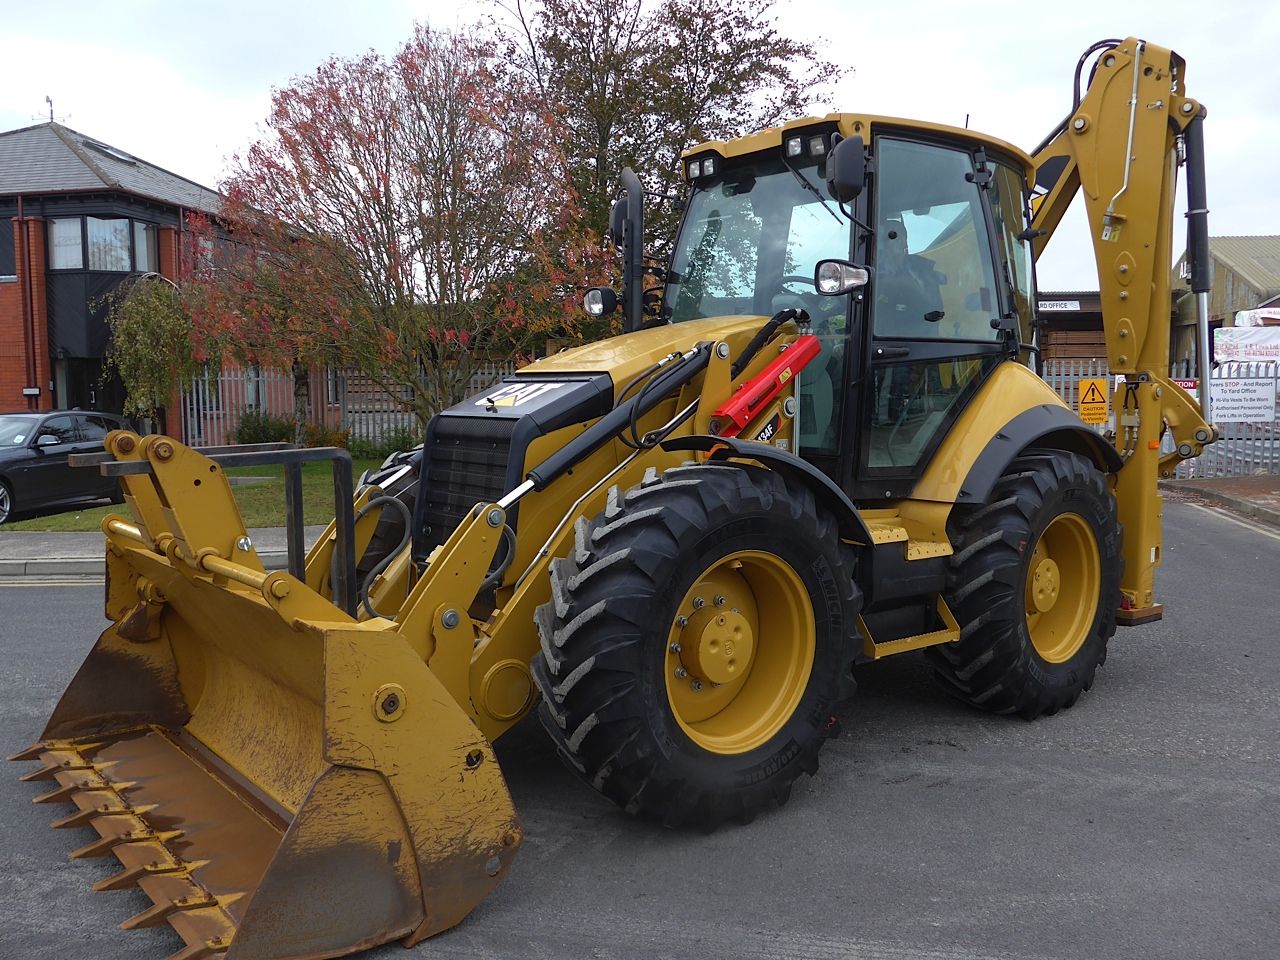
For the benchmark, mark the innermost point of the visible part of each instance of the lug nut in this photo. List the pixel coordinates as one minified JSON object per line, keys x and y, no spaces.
{"x":681,"y":672}
{"x":697,"y":686}
{"x":719,"y":601}
{"x":682,"y":622}
{"x":698,"y":603}
{"x":675,"y":648}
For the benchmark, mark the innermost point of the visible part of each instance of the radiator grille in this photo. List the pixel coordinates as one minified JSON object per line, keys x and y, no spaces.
{"x":466,"y":464}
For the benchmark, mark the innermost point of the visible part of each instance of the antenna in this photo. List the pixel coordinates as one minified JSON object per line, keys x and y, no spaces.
{"x":966,"y":121}
{"x":49,"y":100}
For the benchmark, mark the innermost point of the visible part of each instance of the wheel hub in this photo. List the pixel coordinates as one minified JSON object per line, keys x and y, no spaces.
{"x":718,"y":644}
{"x":1045,"y":584}
{"x":1063,"y":586}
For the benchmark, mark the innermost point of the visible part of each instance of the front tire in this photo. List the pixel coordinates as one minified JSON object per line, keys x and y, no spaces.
{"x":700,"y":633}
{"x":6,"y":503}
{"x":1035,"y":588}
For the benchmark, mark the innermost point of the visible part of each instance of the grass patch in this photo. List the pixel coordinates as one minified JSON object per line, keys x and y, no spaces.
{"x":261,"y":501}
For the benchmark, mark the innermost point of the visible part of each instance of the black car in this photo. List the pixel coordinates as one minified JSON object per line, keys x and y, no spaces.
{"x":33,"y":459}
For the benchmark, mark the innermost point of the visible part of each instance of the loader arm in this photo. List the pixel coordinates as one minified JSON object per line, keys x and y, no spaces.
{"x":1121,"y":147}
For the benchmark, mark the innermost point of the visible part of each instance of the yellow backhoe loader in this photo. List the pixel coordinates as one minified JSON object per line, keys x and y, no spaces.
{"x":821,"y":441}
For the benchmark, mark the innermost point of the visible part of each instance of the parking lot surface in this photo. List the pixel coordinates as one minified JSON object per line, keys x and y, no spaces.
{"x":1140,"y":823}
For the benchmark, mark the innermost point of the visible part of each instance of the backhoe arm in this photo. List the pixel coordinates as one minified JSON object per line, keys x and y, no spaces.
{"x":1121,"y":146}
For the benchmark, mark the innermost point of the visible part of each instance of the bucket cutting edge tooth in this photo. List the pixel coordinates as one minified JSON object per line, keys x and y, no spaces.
{"x":81,"y":817}
{"x":130,"y":876}
{"x":105,"y":845}
{"x":159,"y":913}
{"x":200,"y":951}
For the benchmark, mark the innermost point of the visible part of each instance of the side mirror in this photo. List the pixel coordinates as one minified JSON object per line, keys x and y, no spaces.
{"x":617,"y":223}
{"x":47,"y":440}
{"x":847,"y":169}
{"x":600,"y":301}
{"x":834,"y":277}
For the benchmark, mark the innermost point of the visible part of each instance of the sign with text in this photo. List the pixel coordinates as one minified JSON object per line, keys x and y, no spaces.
{"x":1243,"y":399}
{"x":1092,"y":405}
{"x":1060,"y":305}
{"x":1261,"y":317}
{"x":1246,"y":343}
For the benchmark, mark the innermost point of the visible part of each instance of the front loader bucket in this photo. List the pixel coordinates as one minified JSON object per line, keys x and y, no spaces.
{"x":280,"y":780}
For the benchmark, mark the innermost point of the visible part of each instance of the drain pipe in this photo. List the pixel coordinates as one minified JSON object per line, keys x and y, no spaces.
{"x":28,"y":306}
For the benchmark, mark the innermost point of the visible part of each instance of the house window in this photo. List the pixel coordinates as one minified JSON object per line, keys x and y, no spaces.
{"x":109,"y":245}
{"x":66,"y":250}
{"x":8,"y":260}
{"x":146,"y":252}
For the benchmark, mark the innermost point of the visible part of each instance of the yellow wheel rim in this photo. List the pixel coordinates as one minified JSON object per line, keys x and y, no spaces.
{"x":1064,"y":580}
{"x":739,"y":652}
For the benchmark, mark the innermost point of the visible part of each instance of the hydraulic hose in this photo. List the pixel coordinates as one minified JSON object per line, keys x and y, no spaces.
{"x":381,"y":565}
{"x":616,"y":420}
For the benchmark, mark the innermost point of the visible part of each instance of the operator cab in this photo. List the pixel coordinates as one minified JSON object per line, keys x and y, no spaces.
{"x":940,"y":223}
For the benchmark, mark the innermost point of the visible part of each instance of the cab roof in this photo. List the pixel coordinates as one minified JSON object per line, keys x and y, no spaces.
{"x":857,"y":124}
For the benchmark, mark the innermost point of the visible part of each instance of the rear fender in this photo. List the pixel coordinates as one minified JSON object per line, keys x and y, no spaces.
{"x":1048,"y":427}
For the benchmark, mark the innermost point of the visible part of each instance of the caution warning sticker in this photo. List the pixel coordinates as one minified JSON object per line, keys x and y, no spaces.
{"x":1092,"y":406}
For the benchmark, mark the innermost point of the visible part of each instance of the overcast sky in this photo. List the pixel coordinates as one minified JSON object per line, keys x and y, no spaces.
{"x":186,"y":85}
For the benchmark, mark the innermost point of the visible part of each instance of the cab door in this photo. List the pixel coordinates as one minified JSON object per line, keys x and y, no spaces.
{"x":935,"y":331}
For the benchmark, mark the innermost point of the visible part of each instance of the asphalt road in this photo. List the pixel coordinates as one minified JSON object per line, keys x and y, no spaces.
{"x":1141,"y":823}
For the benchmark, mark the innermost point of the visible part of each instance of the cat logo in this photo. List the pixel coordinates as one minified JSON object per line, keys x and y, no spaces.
{"x":515,"y":394}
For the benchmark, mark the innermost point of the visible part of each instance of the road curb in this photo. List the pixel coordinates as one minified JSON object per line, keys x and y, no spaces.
{"x":53,"y":567}
{"x":1235,"y":504}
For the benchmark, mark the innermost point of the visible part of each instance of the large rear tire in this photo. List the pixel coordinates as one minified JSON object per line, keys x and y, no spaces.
{"x":1035,"y":587}
{"x":700,"y":633}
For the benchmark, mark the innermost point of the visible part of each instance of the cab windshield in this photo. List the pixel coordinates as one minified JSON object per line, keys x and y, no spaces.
{"x":749,"y":245}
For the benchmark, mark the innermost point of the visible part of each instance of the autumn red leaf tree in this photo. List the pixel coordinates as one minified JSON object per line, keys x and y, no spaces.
{"x":410,"y":216}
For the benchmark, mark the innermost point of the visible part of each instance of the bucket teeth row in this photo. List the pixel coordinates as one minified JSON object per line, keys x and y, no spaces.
{"x":146,"y":854}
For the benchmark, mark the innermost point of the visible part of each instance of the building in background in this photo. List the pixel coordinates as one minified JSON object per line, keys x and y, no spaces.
{"x":81,"y":216}
{"x":1070,"y":325}
{"x":1246,"y":276}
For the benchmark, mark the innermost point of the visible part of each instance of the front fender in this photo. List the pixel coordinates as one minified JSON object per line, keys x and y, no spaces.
{"x":851,"y":525}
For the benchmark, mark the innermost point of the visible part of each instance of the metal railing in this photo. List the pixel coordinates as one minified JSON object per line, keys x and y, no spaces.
{"x":213,"y":404}
{"x":1245,"y":449}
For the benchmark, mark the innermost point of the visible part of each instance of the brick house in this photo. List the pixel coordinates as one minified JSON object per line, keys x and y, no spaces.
{"x":83,"y":216}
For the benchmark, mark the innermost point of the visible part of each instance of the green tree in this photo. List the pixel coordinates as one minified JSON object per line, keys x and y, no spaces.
{"x":151,"y":349}
{"x":635,"y":83}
